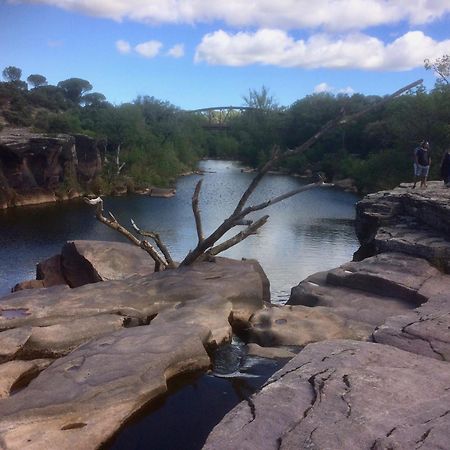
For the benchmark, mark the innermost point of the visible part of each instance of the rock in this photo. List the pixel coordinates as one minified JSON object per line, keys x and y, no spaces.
{"x":426,"y":330}
{"x":353,"y":304}
{"x":34,"y":166}
{"x":50,"y":271}
{"x":161,"y":192}
{"x":207,"y":293}
{"x":413,"y":221}
{"x":344,"y":394}
{"x":82,"y":399}
{"x":301,"y":325}
{"x":389,"y":274}
{"x":14,"y":373}
{"x":28,"y":284}
{"x":270,"y":352}
{"x":12,"y":341}
{"x":92,"y":261}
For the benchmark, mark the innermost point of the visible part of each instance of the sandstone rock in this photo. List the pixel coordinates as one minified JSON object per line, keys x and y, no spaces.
{"x":426,"y":330}
{"x":33,"y":166}
{"x":84,"y":397}
{"x":12,"y":341}
{"x":388,"y":274}
{"x":413,"y":217}
{"x":270,"y":352}
{"x":347,"y":395}
{"x":208,"y":293}
{"x":50,"y":272}
{"x":92,"y":261}
{"x":353,"y":304}
{"x":28,"y":284}
{"x":301,"y":325}
{"x":14,"y":373}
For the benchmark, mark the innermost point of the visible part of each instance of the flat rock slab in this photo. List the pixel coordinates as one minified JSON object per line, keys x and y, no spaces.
{"x":301,"y":325}
{"x":389,"y":274}
{"x":82,"y":399}
{"x":243,"y":283}
{"x":353,"y":304}
{"x":49,"y":323}
{"x":347,"y":395}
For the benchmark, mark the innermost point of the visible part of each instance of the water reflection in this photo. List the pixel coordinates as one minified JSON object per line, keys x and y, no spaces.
{"x":310,"y":232}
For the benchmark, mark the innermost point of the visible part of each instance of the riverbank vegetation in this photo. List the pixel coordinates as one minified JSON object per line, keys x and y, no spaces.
{"x":150,"y":141}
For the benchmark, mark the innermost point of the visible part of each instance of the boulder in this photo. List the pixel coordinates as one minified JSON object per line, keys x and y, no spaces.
{"x":344,"y":394}
{"x":84,"y":262}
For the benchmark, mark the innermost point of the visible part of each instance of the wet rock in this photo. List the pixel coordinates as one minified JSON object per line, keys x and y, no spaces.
{"x":344,"y":394}
{"x":301,"y":325}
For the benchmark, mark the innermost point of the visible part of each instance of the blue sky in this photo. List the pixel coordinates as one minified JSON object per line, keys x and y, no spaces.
{"x":200,"y":53}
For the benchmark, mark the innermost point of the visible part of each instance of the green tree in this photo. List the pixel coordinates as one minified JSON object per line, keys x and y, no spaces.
{"x":37,"y":80}
{"x":93,"y":99}
{"x":12,"y":74}
{"x":74,"y":88}
{"x":441,"y":66}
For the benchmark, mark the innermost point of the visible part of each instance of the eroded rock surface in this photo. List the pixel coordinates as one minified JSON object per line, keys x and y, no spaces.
{"x":344,"y":394}
{"x":84,"y":397}
{"x":412,"y":221}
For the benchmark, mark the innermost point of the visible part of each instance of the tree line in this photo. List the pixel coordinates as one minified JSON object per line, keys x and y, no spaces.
{"x":156,"y":140}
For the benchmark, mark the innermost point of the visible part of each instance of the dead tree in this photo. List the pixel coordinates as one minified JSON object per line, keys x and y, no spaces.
{"x":208,"y":246}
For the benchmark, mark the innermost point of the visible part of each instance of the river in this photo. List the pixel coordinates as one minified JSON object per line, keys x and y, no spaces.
{"x":310,"y":232}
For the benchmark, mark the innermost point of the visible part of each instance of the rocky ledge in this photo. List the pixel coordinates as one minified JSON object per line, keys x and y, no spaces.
{"x":37,"y":168}
{"x":391,"y":391}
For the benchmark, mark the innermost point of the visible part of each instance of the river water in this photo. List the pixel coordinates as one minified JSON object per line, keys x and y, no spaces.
{"x":310,"y":232}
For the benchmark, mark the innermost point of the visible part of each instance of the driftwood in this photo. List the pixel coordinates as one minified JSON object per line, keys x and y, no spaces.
{"x":206,"y":246}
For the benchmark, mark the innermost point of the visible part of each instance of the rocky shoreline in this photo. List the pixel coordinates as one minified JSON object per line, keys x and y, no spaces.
{"x":103,"y":333}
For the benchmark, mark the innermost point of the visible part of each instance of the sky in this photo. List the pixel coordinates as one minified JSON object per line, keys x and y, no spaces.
{"x":204,"y":53}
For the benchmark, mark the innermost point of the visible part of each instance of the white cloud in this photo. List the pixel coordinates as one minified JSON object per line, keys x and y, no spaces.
{"x":123,"y":46}
{"x":352,"y":51}
{"x":325,"y":87}
{"x":285,"y":14}
{"x":177,"y":51}
{"x":322,"y":87}
{"x":148,"y":49}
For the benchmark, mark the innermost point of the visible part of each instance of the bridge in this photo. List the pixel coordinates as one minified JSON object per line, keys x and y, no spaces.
{"x":219,"y":116}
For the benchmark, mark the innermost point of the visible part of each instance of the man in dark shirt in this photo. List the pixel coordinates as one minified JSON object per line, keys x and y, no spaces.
{"x":422,"y":161}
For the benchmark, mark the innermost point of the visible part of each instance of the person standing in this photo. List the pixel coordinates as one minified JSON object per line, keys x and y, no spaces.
{"x":422,"y":162}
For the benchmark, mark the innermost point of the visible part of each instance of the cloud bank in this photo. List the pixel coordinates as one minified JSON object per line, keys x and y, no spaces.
{"x":284,"y":14}
{"x":353,"y":51}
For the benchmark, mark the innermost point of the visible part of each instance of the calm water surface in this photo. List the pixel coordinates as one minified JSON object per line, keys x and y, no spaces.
{"x":310,"y":232}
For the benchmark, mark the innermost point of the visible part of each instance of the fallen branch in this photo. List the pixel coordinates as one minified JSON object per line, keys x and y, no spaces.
{"x":160,"y":263}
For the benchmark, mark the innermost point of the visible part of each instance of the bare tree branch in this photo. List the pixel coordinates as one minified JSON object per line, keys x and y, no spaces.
{"x":196,"y":211}
{"x":115,"y":225}
{"x":238,"y":237}
{"x":158,"y":242}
